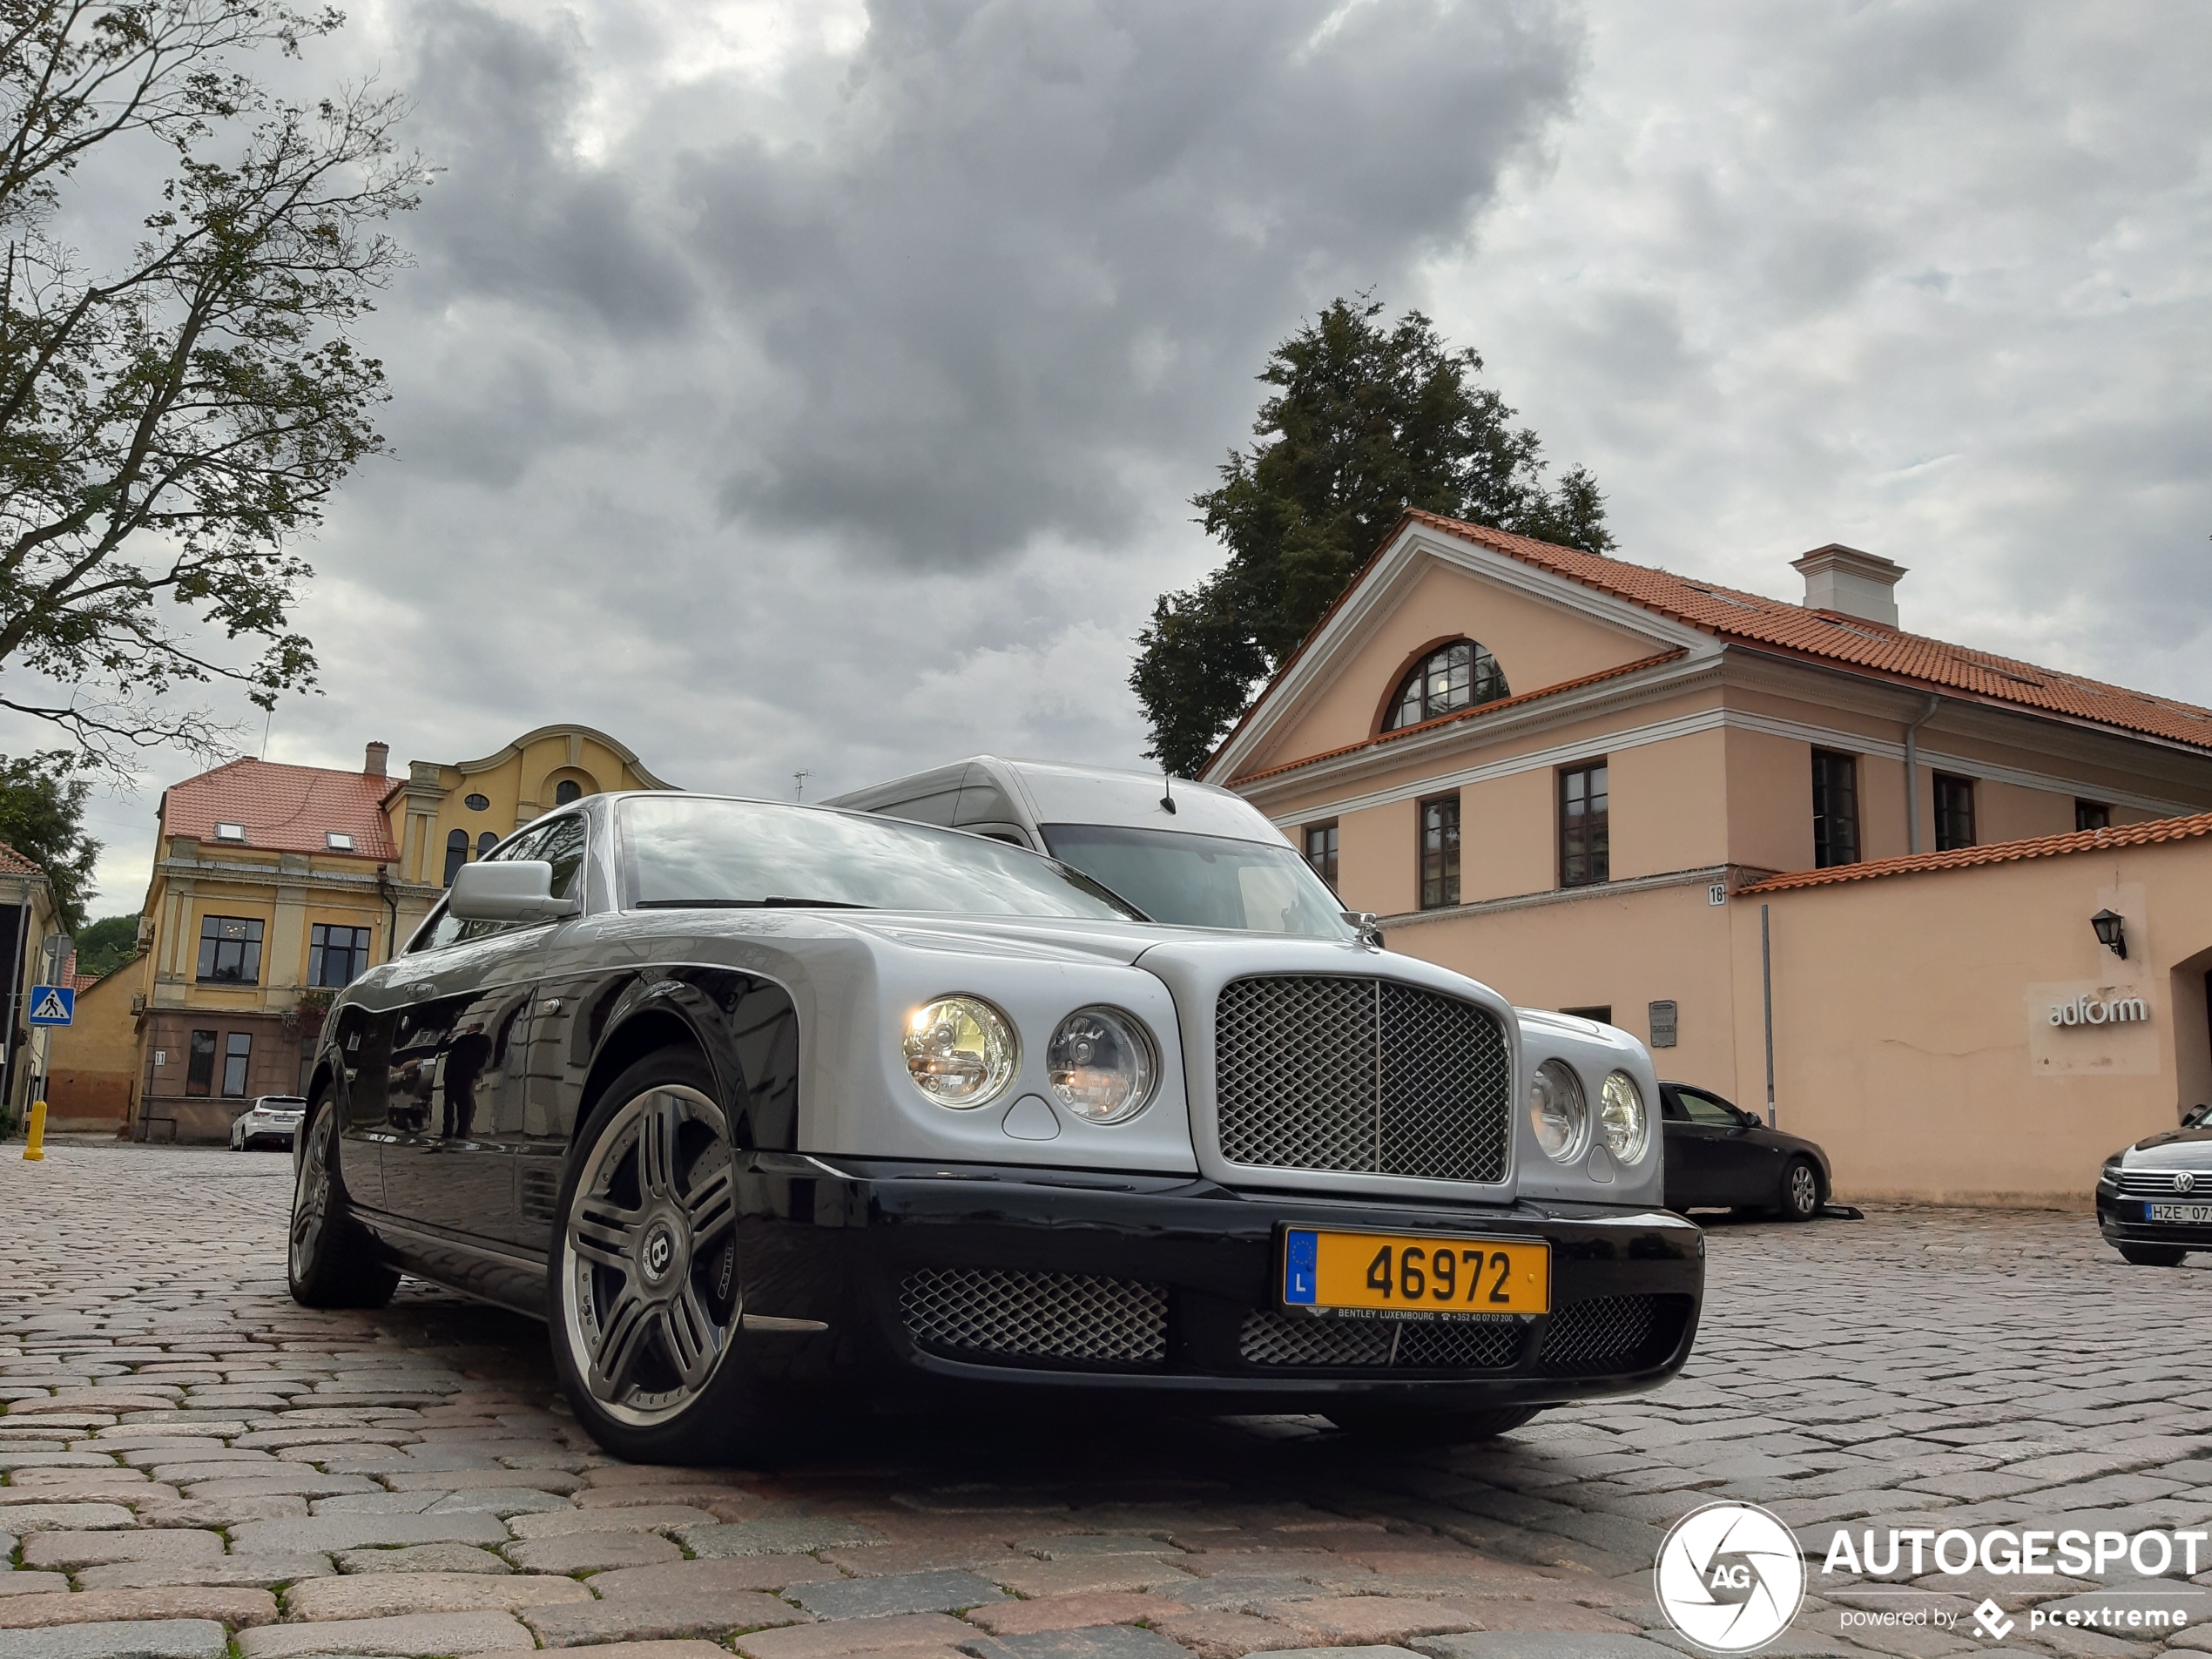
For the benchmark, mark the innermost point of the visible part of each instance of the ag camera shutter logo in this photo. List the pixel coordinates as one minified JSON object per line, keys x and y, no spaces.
{"x":1730,"y":1577}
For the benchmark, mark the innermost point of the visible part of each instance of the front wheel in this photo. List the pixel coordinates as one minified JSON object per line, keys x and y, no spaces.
{"x":1800,"y":1191}
{"x":643,"y":1294}
{"x":2153,"y":1255}
{"x":1432,"y":1428}
{"x":332,"y":1262}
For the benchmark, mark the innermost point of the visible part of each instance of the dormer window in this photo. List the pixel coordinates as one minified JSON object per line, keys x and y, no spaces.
{"x":1452,"y":677}
{"x":230,"y":832}
{"x":338,"y":840}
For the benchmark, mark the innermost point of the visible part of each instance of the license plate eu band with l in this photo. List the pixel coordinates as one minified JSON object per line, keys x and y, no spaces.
{"x":1412,"y":1275}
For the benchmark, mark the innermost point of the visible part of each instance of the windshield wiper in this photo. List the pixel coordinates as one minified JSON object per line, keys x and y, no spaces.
{"x":774,"y":901}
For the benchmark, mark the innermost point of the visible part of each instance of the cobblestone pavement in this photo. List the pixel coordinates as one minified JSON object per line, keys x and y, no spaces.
{"x":193,"y":1462}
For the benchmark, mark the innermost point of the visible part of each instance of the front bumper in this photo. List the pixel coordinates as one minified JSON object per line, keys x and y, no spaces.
{"x":2120,"y":1217}
{"x":1049,"y":1283}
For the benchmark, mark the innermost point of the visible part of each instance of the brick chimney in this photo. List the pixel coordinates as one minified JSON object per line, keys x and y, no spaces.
{"x":378,"y":754}
{"x":1843,"y":579}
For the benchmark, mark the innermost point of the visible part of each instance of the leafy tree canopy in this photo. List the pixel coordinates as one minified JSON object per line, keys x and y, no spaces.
{"x":1367,"y":419}
{"x":107,"y":944}
{"x":41,"y":816}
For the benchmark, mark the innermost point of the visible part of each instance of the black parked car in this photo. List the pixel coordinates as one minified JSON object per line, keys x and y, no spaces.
{"x":1719,"y":1155}
{"x":2154,"y":1198}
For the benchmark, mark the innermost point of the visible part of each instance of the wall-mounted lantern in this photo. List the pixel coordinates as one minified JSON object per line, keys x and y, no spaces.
{"x":2112,"y":931}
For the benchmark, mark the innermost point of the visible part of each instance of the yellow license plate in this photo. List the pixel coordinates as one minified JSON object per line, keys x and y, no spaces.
{"x":1413,"y":1273}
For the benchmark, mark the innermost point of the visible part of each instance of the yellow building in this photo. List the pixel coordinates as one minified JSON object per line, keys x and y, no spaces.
{"x":273,"y":886}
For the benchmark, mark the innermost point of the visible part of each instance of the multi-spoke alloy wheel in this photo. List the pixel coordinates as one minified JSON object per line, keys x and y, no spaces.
{"x":649,"y":1281}
{"x":1801,"y":1192}
{"x":311,"y":1197}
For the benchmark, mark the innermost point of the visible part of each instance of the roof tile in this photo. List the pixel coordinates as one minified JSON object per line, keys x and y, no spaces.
{"x":2037,"y":847}
{"x":283,"y":809}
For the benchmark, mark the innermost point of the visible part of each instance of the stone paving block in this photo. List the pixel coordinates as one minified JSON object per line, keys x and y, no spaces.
{"x":731,"y":1575}
{"x":653,"y":1474}
{"x":415,"y":1635}
{"x":293,"y":1481}
{"x":592,"y":1552}
{"x":386,"y":1595}
{"x":1224,"y":1635}
{"x":19,"y":1460}
{"x":912,"y":1631}
{"x":1348,"y":1619}
{"x":868,"y":1559}
{"x":660,"y":1618}
{"x":423,"y":1558}
{"x":1073,"y":1612}
{"x":259,"y":1570}
{"x":1034,"y":1578}
{"x":24,"y":1518}
{"x":800,"y":1535}
{"x":138,"y":1638}
{"x":27,"y":1584}
{"x":659,"y":1517}
{"x":70,"y":1550}
{"x":554,"y":1481}
{"x":330,"y":1533}
{"x":1540,"y":1644}
{"x":1100,"y":1641}
{"x":870,"y":1598}
{"x":699,"y":1497}
{"x":230,"y":1605}
{"x":653,"y":1650}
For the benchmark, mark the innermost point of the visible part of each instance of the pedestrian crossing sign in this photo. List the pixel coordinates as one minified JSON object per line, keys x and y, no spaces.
{"x":52,"y":1005}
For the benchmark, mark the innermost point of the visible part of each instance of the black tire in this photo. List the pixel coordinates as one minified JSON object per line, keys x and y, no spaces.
{"x":2153,"y":1255}
{"x":1430,"y":1428}
{"x":1800,"y":1197}
{"x":331,"y":1262}
{"x":642,"y":1272}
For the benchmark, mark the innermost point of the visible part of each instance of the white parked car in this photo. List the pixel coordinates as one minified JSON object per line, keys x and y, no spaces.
{"x":770,"y":1110}
{"x":272,"y":1120}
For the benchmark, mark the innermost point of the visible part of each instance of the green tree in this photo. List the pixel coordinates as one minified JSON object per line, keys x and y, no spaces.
{"x":1367,"y":420}
{"x":173,"y":422}
{"x":107,"y":944}
{"x":41,"y":816}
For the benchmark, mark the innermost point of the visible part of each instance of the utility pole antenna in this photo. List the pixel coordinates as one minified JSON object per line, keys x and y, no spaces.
{"x":799,"y":785}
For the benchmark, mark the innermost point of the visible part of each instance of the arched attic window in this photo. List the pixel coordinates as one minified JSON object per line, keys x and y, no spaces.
{"x":1458,"y":676}
{"x":567,"y":790}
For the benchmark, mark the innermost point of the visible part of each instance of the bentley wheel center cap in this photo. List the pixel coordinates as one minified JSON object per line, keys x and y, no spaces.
{"x":658,"y":1251}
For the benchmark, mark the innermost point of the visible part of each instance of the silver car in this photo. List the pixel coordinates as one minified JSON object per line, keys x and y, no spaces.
{"x":772,"y":1110}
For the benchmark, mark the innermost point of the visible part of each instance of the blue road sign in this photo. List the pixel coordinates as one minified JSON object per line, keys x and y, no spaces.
{"x":52,"y":1005}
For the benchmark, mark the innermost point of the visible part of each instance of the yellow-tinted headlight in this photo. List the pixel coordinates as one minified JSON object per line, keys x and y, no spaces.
{"x":961,"y":1051}
{"x":1621,"y":1117}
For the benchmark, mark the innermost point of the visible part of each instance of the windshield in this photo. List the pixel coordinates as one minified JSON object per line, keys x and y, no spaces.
{"x":681,"y":851}
{"x":1203,"y":880}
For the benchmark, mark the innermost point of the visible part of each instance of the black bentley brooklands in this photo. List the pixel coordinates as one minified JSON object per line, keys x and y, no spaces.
{"x":764,"y":1106}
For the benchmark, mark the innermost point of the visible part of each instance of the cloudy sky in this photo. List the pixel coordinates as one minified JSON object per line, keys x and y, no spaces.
{"x":820,"y":385}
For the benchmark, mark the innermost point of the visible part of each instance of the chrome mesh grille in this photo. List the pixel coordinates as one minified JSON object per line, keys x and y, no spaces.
{"x":1272,"y":1339}
{"x":1612,"y":1333}
{"x":1361,"y":1076}
{"x":2163,"y":1184}
{"x":1052,"y":1316}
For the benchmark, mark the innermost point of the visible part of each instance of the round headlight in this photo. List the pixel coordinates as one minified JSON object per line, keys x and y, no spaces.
{"x":961,"y":1051}
{"x":1101,"y":1064}
{"x":1621,"y":1117}
{"x":1557,"y":1112}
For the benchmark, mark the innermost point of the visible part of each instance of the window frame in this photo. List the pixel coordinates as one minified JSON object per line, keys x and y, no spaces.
{"x":1596,"y":833}
{"x":237,"y":1050}
{"x":1327,"y":863}
{"x":1824,"y":847}
{"x":360,"y":946}
{"x":209,"y":963}
{"x":2085,"y":811}
{"x":1411,"y":702}
{"x":199,"y":1080}
{"x":1439,"y":889}
{"x":457,"y":844}
{"x":1954,"y":830}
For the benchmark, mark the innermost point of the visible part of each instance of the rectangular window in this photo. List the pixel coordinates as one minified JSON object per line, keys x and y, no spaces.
{"x":1585,"y":856}
{"x":1321,"y":851}
{"x":1954,"y":811}
{"x":238,"y":1048}
{"x":2091,"y":815}
{"x":200,"y":1064}
{"x":336,"y":956}
{"x":1835,"y":809}
{"x":1439,"y":853}
{"x":230,"y":950}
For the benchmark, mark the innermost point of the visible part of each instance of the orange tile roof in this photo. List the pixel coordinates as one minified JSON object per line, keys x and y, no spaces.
{"x":2036,"y":846}
{"x":1873,"y":647}
{"x":1475,"y":713}
{"x":1837,"y":637}
{"x":14,"y":863}
{"x":283,"y":809}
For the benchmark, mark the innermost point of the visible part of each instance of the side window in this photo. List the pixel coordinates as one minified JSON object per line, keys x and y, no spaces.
{"x":1703,"y":1109}
{"x":562,"y":849}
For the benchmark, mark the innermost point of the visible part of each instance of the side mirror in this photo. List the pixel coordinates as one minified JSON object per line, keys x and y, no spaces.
{"x":516,"y":890}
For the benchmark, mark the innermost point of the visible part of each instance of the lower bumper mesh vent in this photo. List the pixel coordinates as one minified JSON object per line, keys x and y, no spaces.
{"x":1613,"y":1333}
{"x":1049,"y":1316}
{"x":1276,"y":1340}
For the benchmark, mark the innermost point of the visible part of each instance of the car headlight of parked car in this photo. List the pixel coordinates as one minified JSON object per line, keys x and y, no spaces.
{"x":1102,"y":1064}
{"x":1557,"y":1112}
{"x":961,"y":1051}
{"x":1623,"y":1119}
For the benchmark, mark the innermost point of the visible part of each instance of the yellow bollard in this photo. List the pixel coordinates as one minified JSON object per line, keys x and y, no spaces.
{"x":34,"y":1149}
